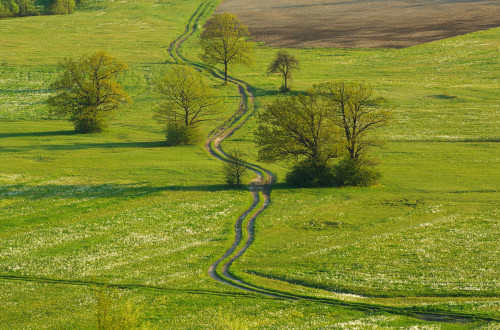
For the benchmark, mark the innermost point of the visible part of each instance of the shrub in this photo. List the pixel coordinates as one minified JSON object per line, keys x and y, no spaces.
{"x":234,"y":169}
{"x":178,"y":134}
{"x":90,"y":124}
{"x":113,"y":313}
{"x":307,"y":174}
{"x":351,"y":172}
{"x":62,"y":7}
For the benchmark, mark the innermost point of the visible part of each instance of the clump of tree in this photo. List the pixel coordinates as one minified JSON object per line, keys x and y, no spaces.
{"x":225,"y":41}
{"x":299,"y":128}
{"x":234,"y":168}
{"x":61,"y":7}
{"x":11,"y":8}
{"x":87,"y":91}
{"x":17,"y":8}
{"x":331,"y":121}
{"x":285,"y":64}
{"x":187,"y":101}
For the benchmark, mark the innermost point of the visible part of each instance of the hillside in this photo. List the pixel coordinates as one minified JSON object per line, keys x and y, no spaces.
{"x":120,"y":208}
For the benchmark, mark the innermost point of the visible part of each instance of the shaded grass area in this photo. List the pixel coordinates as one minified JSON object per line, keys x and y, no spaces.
{"x":184,"y":310}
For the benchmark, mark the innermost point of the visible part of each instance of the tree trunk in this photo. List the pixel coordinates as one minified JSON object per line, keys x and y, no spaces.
{"x":225,"y":73}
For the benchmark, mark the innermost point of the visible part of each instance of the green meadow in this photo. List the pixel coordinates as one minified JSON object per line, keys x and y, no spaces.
{"x":120,"y":208}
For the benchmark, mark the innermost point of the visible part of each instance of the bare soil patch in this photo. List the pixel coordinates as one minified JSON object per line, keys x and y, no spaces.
{"x":361,"y":23}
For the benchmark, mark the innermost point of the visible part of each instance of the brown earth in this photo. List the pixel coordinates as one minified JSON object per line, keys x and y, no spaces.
{"x":361,"y":23}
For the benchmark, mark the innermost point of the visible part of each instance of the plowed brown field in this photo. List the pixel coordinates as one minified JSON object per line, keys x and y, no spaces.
{"x":361,"y":23}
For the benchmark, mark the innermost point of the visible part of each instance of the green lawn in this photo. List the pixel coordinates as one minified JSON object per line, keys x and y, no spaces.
{"x":121,"y":208}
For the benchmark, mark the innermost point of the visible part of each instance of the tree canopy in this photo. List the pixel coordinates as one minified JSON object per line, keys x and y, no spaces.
{"x":284,"y":63}
{"x":224,"y":41}
{"x":186,"y":102}
{"x":10,"y":8}
{"x":297,"y":127}
{"x":356,"y":113}
{"x":87,"y":91}
{"x":331,"y":120}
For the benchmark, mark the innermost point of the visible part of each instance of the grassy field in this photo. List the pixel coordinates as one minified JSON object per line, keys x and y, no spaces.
{"x":121,"y":208}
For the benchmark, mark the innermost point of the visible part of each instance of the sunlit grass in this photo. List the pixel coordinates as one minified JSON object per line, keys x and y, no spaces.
{"x":122,"y":208}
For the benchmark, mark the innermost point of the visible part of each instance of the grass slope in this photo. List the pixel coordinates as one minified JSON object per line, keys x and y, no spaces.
{"x":121,"y":208}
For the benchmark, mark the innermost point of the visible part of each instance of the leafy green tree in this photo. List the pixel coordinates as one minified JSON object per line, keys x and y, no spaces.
{"x":186,"y":102}
{"x":235,"y":168}
{"x":87,"y":91}
{"x":297,"y":127}
{"x":284,"y":63}
{"x":62,"y":7}
{"x":224,"y":41}
{"x":331,"y":120}
{"x":27,"y":8}
{"x":8,"y":8}
{"x":356,"y":113}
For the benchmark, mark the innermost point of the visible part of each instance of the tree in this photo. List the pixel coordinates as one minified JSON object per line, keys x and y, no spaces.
{"x":87,"y":91}
{"x":234,"y":168}
{"x":26,"y":8}
{"x":224,"y":41}
{"x":62,"y":7}
{"x":284,"y":63}
{"x":8,"y":8}
{"x":299,"y":128}
{"x":356,"y":113}
{"x":331,"y":120}
{"x":187,"y":102}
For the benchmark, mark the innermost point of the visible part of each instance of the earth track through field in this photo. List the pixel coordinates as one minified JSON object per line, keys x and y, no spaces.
{"x":212,"y":145}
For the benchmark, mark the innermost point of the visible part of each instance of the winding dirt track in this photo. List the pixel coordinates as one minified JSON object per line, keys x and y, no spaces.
{"x":212,"y":145}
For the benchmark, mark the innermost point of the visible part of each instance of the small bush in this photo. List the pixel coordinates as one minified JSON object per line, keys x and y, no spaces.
{"x":234,"y":169}
{"x":90,"y":124}
{"x":284,"y":89}
{"x":62,"y":7}
{"x":178,"y":135}
{"x":114,"y":314}
{"x":350,"y":172}
{"x":306,"y":174}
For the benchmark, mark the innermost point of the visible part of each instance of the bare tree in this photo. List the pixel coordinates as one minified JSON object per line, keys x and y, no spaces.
{"x":284,"y":63}
{"x":234,"y":169}
{"x":356,"y":113}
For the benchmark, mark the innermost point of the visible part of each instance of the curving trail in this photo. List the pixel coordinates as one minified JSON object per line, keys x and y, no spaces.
{"x":262,"y":187}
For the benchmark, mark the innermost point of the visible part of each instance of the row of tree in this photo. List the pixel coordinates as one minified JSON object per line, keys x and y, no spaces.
{"x":330,"y":121}
{"x":18,"y":8}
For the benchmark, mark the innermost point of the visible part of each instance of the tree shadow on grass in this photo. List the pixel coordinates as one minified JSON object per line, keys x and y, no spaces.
{"x":133,"y":190}
{"x":75,"y":191}
{"x":82,"y":146}
{"x":276,"y":92}
{"x":37,"y":134}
